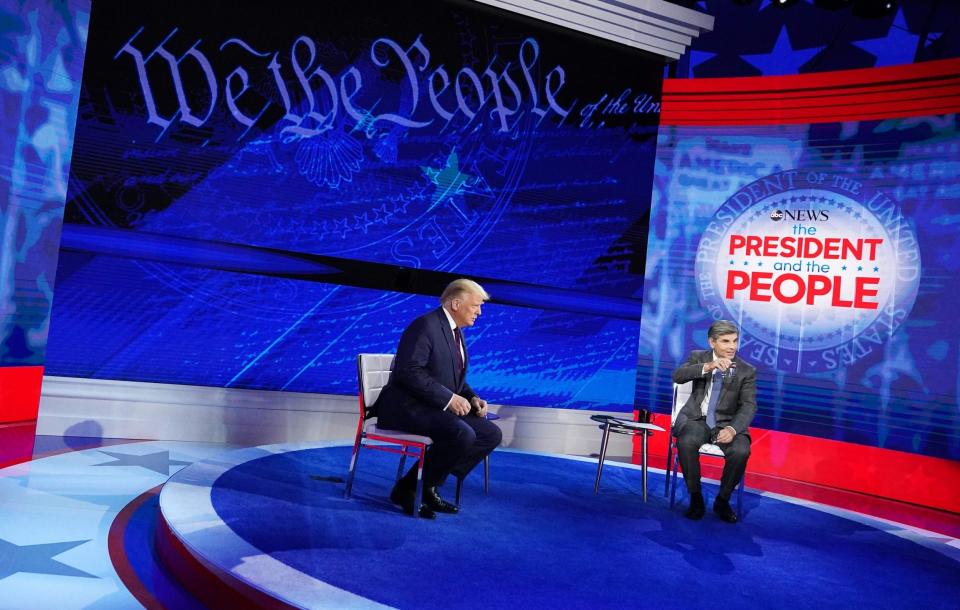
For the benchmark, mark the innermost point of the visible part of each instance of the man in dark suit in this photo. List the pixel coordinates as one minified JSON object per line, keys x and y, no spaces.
{"x":721,"y":407}
{"x":428,"y":394}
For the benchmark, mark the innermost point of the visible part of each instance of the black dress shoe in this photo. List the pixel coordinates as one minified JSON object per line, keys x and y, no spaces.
{"x":723,"y":510}
{"x":432,"y":500}
{"x":406,"y":499}
{"x":697,"y":509}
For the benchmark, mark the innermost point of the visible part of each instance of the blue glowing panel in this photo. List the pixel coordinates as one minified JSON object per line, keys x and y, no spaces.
{"x":471,"y":142}
{"x":835,"y":248}
{"x":41,"y":60}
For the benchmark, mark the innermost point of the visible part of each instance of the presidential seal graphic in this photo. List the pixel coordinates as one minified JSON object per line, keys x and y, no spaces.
{"x":818,"y":268}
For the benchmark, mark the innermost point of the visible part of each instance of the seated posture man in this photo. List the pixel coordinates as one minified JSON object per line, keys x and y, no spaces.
{"x":428,"y":394}
{"x":721,"y":407}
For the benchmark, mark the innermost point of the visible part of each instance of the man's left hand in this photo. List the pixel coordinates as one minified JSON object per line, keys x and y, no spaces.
{"x":726,"y":435}
{"x":479,"y":406}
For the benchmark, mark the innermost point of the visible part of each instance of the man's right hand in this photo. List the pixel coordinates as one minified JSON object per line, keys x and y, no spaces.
{"x":720,"y":363}
{"x":459,"y":405}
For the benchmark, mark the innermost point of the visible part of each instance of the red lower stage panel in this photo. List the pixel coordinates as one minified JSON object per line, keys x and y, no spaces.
{"x":880,"y":482}
{"x":16,"y":442}
{"x":19,"y":393}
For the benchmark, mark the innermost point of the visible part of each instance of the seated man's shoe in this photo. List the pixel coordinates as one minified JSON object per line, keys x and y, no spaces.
{"x":697,"y":508}
{"x":406,"y":499}
{"x":723,"y":510}
{"x":433,"y":501}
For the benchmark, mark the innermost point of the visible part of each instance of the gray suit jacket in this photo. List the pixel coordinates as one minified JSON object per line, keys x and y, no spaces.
{"x":738,"y":394}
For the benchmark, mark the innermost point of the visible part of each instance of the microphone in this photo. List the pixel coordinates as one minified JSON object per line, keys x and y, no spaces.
{"x":731,"y":372}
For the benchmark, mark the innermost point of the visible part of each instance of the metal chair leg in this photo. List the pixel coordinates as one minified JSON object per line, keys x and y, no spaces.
{"x":353,"y":465}
{"x":740,"y":496}
{"x":673,"y":479}
{"x":486,"y":477}
{"x":603,"y":456}
{"x":459,"y":490}
{"x":666,"y":479}
{"x":419,"y":497}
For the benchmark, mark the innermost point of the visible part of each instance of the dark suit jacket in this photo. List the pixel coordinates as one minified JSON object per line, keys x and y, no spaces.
{"x":738,"y":394}
{"x":425,"y":370}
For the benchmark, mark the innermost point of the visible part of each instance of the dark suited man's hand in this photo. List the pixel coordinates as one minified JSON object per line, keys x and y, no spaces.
{"x":720,"y":363}
{"x":726,"y":435}
{"x":479,"y":405}
{"x":459,"y":405}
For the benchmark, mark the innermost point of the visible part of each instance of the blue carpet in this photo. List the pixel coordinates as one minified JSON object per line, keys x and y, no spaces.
{"x":542,"y":539}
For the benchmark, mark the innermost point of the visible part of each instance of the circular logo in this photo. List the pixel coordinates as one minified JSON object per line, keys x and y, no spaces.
{"x":817,"y":268}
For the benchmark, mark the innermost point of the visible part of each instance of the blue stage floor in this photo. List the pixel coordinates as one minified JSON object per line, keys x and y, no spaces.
{"x":77,"y":531}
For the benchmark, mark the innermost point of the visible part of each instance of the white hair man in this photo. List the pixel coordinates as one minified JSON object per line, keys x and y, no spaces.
{"x":428,"y":394}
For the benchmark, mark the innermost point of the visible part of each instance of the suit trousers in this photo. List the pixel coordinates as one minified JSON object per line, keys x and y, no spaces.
{"x":459,"y":443}
{"x":695,"y":433}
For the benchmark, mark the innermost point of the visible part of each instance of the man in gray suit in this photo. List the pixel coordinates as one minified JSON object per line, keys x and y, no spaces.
{"x":720,"y":408}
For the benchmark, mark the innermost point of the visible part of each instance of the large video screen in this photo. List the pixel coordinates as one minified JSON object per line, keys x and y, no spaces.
{"x":41,"y":61}
{"x":834,"y":247}
{"x":440,"y":136}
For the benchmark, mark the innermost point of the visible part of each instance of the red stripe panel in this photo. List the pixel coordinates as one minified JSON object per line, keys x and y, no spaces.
{"x":16,"y":442}
{"x":20,"y":392}
{"x":213,"y":586}
{"x":118,"y":552}
{"x":896,"y":475}
{"x":894,"y":91}
{"x":827,"y":80}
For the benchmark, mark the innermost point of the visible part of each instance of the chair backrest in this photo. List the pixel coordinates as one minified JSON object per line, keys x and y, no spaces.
{"x":373,"y":373}
{"x":681,"y":393}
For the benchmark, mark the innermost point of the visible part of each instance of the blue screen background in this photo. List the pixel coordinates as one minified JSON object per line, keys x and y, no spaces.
{"x":554,"y":196}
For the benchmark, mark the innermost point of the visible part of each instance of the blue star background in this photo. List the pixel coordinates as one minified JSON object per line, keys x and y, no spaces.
{"x":760,"y":38}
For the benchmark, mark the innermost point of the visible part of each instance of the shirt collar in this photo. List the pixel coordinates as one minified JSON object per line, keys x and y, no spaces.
{"x":453,"y":325}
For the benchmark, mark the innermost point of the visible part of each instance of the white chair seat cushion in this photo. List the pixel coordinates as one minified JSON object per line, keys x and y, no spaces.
{"x":711,"y":449}
{"x":371,"y":427}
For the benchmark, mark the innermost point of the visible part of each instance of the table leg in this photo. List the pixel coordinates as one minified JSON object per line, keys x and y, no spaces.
{"x":643,"y":463}
{"x":603,"y":455}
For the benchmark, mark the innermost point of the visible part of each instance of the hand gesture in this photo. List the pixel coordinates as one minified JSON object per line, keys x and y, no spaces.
{"x":721,"y":364}
{"x":480,"y":406}
{"x":459,"y":405}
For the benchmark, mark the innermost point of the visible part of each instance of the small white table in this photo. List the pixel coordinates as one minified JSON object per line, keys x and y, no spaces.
{"x":610,"y":424}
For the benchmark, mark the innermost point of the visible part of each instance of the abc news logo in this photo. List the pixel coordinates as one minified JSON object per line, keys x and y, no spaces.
{"x":800,"y":215}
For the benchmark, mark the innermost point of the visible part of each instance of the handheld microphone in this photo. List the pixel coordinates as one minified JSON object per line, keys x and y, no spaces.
{"x":730,"y":372}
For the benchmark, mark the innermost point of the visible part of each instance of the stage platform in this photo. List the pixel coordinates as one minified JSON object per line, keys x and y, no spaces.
{"x":269,"y":527}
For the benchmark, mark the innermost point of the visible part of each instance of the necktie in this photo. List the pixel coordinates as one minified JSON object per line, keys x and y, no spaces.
{"x":459,"y":350}
{"x":715,"y":388}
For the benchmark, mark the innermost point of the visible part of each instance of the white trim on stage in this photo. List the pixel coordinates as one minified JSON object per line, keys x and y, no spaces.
{"x":71,"y":406}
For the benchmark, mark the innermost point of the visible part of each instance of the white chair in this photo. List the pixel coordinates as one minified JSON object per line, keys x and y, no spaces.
{"x":681,"y":393}
{"x":373,"y":372}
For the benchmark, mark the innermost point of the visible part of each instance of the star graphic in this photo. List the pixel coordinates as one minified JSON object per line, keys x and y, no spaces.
{"x":875,"y":269}
{"x":698,"y":57}
{"x":158,"y":462}
{"x":341,"y":226}
{"x":783,"y":59}
{"x":38,"y":559}
{"x":450,"y":180}
{"x":897,"y":47}
{"x":383,"y":214}
{"x":362,"y":222}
